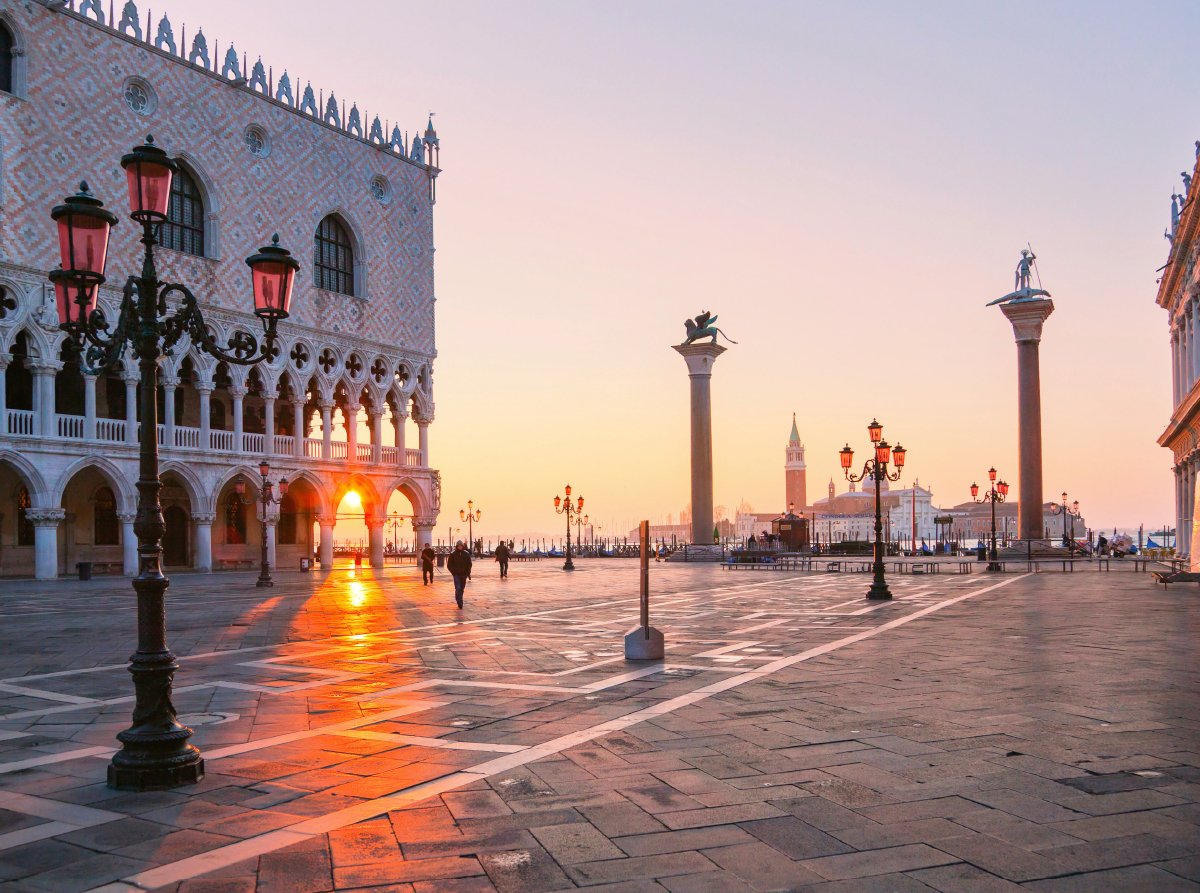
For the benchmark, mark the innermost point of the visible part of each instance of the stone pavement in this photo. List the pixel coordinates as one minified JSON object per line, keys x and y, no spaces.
{"x":979,"y":733}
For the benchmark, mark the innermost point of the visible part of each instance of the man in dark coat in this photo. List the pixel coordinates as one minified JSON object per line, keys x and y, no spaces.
{"x":459,"y":565}
{"x":428,"y":556}
{"x":502,"y":557}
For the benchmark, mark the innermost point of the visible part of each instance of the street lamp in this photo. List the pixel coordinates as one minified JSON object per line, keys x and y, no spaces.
{"x":1072,"y":512}
{"x":154,"y":750}
{"x":580,"y":523}
{"x":397,"y":521}
{"x":566,"y":507}
{"x":877,"y":469}
{"x":268,"y":499}
{"x":470,"y":519}
{"x":997,"y":492}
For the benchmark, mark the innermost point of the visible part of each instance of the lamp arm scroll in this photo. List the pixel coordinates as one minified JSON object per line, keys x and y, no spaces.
{"x":102,"y":353}
{"x":189,"y":320}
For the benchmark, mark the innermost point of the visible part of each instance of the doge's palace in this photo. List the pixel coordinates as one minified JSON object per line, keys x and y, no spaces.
{"x":260,"y":153}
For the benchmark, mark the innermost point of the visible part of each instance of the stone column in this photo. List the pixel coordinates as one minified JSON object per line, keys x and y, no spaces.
{"x":131,"y":408}
{"x":423,"y":532}
{"x":351,"y":412}
{"x":377,"y":435}
{"x":45,"y":541}
{"x":1190,"y":376}
{"x":204,"y":522}
{"x":423,"y":440}
{"x":1194,"y":308}
{"x":269,"y":429}
{"x":270,"y":532}
{"x":700,"y":359}
{"x":326,"y":522}
{"x":89,"y":407}
{"x":1174,"y":367}
{"x":398,"y":420}
{"x":205,"y":388}
{"x":298,"y":426}
{"x":168,"y":385}
{"x":237,"y":393}
{"x":375,"y":540}
{"x":43,"y":395}
{"x":326,"y":431}
{"x":1027,"y":318}
{"x":129,"y":543}
{"x":4,"y":393}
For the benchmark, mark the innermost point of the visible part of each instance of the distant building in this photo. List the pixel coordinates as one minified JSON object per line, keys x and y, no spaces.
{"x":795,"y":472}
{"x":909,"y":501}
{"x":974,"y":521}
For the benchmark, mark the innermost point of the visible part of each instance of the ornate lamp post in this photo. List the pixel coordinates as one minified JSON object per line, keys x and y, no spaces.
{"x":566,"y":507}
{"x":154,"y":750}
{"x":267,"y":499}
{"x":580,"y":523}
{"x":877,"y":469}
{"x":997,"y":492}
{"x":1072,"y":512}
{"x":470,"y":519}
{"x":397,"y":522}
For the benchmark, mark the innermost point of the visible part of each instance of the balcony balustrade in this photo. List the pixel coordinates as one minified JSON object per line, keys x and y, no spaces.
{"x":24,"y":423}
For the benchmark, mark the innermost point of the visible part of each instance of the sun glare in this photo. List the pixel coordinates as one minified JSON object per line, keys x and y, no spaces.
{"x":352,"y":500}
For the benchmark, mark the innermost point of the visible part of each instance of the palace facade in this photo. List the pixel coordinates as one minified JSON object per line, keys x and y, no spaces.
{"x":336,"y":409}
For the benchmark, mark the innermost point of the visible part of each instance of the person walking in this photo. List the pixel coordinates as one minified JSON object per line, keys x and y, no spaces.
{"x":502,"y":557}
{"x":459,"y":565}
{"x":428,"y":556}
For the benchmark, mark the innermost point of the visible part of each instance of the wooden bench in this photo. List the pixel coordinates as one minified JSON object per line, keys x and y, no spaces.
{"x":108,"y":567}
{"x":236,"y":563}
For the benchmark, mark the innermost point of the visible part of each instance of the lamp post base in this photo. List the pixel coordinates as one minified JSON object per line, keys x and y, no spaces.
{"x":569,"y":566}
{"x":264,"y":582}
{"x":159,"y":775}
{"x":879,"y":591}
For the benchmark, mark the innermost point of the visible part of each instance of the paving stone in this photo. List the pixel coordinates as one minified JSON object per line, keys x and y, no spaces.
{"x":796,"y":839}
{"x":612,"y":870}
{"x":681,"y":841}
{"x":578,"y":842}
{"x":1003,"y":859}
{"x":524,"y":871}
{"x":1137,"y":879}
{"x":874,"y":862}
{"x":963,"y":878}
{"x":762,"y":867}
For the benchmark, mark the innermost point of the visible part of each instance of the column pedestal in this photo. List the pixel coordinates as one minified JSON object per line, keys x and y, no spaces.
{"x":700,"y":359}
{"x":129,"y":543}
{"x":1027,"y":318}
{"x":204,"y":521}
{"x":375,"y":541}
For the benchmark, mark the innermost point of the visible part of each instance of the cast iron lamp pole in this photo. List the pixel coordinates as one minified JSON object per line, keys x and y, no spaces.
{"x":580,"y":523}
{"x":876,"y":468}
{"x":267,"y":499}
{"x":154,"y":750}
{"x":997,"y":492}
{"x":470,"y":519}
{"x":565,"y":507}
{"x":1072,"y":512}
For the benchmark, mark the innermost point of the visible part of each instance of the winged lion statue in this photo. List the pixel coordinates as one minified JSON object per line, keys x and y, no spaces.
{"x":701,"y":327}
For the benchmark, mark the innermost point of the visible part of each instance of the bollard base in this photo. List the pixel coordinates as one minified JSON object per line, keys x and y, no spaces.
{"x":638,"y":647}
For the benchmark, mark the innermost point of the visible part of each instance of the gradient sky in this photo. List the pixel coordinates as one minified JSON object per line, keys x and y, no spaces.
{"x":846,"y":185}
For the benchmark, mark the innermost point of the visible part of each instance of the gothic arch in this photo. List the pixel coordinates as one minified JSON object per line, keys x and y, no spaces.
{"x":371,"y":499}
{"x":126,"y":497}
{"x":414,"y":494}
{"x":209,"y":196}
{"x":39,"y":496}
{"x":191,"y":483}
{"x":19,"y":55}
{"x":354,"y":231}
{"x":318,"y":486}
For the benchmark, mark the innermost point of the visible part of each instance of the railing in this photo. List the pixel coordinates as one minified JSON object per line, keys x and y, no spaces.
{"x":188,"y":438}
{"x":70,"y":425}
{"x":111,"y":430}
{"x":389,"y":455}
{"x":337,"y":449}
{"x":312,"y":447}
{"x":220,"y":440}
{"x":162,"y":433}
{"x":252,"y":443}
{"x":364,"y":452}
{"x":285,"y":445}
{"x":21,"y":421}
{"x":412,"y":457}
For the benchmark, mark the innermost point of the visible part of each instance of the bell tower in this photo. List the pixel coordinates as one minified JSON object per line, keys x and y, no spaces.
{"x":795,"y":471}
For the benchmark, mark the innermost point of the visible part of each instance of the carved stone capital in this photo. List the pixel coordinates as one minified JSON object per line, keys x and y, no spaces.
{"x":699,"y":357}
{"x":169,"y":382}
{"x":45,"y":517}
{"x":238,"y":391}
{"x":425,"y":522}
{"x":205,"y":387}
{"x":126,"y":517}
{"x":326,"y":520}
{"x":42,"y":367}
{"x":204,"y":517}
{"x":1027,"y":317}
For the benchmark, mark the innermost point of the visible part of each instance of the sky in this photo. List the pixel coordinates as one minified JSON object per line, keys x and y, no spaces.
{"x":845,"y":185}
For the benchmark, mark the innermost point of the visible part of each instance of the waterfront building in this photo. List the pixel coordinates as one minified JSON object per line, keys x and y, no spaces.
{"x":259,"y":154}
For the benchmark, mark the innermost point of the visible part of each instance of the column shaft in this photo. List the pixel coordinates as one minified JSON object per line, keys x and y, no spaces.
{"x":168,"y":415}
{"x":326,"y":543}
{"x":702,"y":461}
{"x":377,"y":437}
{"x":375,"y":541}
{"x":298,"y":426}
{"x":129,"y":543}
{"x":89,"y":407}
{"x":238,"y":445}
{"x":423,"y":437}
{"x":205,"y":416}
{"x":204,"y":541}
{"x":326,"y":440}
{"x":1029,"y":390}
{"x":131,"y":423}
{"x":351,"y":411}
{"x":269,"y":429}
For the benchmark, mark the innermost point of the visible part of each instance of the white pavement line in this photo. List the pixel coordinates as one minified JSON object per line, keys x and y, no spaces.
{"x":46,"y":695}
{"x":256,"y":846}
{"x":34,"y":834}
{"x":56,"y":810}
{"x":750,"y":629}
{"x":717,"y":652}
{"x":56,"y":758}
{"x":368,"y":735}
{"x":382,"y":716}
{"x":658,"y":667}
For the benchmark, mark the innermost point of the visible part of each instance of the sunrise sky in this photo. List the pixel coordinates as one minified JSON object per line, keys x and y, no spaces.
{"x":846,"y":185}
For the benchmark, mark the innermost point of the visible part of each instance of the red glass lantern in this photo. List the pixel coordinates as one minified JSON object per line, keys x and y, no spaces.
{"x":462,"y":516}
{"x":264,"y":468}
{"x":76,"y":299}
{"x":1075,"y":506}
{"x":992,"y":474}
{"x":876,"y":431}
{"x":847,"y":456}
{"x":148,"y":171}
{"x":273,"y":271}
{"x":84,"y":227}
{"x":1003,"y":488}
{"x":898,"y":455}
{"x":974,"y":491}
{"x":283,"y":487}
{"x":568,"y":491}
{"x":557,"y":501}
{"x":240,"y":487}
{"x":883,"y":452}
{"x":579,"y":507}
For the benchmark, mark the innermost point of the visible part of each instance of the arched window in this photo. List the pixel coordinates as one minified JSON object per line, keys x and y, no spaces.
{"x":183,"y":229}
{"x":235,"y":521}
{"x":6,"y":59}
{"x":333,"y":267}
{"x":24,"y":525}
{"x":107,"y":529}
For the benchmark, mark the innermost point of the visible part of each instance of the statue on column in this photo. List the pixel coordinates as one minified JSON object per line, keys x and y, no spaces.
{"x":702,"y":327}
{"x":1023,"y":281}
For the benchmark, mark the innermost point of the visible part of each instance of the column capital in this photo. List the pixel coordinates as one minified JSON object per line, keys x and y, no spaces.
{"x":45,"y":517}
{"x":699,"y":357}
{"x":326,"y":520}
{"x":39,"y":366}
{"x":204,"y":387}
{"x":238,"y":390}
{"x":1027,"y":317}
{"x":423,"y":421}
{"x":375,"y":520}
{"x":4,"y":358}
{"x":424,"y":522}
{"x":127,"y":517}
{"x":351,"y":407}
{"x":169,"y":381}
{"x":204,"y":517}
{"x":326,"y":405}
{"x":400,"y":414}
